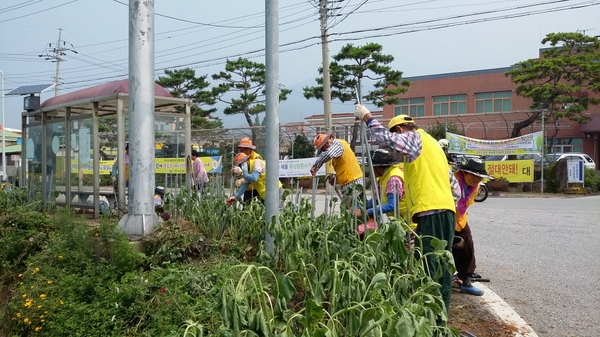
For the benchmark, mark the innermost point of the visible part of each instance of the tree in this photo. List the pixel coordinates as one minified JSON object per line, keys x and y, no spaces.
{"x":438,"y":130}
{"x":302,"y":148}
{"x":183,"y":83}
{"x":561,"y":80}
{"x":354,"y":64}
{"x":248,"y":79}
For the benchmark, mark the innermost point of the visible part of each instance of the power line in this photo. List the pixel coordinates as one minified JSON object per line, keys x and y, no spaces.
{"x":19,"y":6}
{"x":40,"y":11}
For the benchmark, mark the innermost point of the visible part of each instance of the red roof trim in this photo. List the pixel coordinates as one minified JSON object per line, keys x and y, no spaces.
{"x":116,"y":87}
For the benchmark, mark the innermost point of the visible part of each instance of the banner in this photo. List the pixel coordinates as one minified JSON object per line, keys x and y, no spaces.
{"x":515,"y":171}
{"x":292,"y":168}
{"x":531,"y":143}
{"x":162,"y":165}
{"x":575,"y":171}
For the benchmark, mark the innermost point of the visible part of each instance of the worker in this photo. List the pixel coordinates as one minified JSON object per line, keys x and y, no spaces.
{"x":198,"y":172}
{"x":245,"y":146}
{"x":346,"y":167}
{"x":250,"y":171}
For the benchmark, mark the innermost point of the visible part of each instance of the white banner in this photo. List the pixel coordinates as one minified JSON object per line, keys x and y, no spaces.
{"x":574,"y":171}
{"x":292,"y":168}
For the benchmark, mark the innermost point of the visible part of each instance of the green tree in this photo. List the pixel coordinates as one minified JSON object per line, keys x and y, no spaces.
{"x":183,"y":83}
{"x":561,"y":81}
{"x":302,"y":148}
{"x":354,"y":64}
{"x":438,"y":130}
{"x":247,"y":79}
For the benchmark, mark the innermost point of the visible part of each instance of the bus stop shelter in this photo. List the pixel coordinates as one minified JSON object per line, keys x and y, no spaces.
{"x":62,"y":156}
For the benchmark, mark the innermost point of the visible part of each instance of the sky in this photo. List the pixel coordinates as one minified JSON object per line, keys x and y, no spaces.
{"x":425,"y":37}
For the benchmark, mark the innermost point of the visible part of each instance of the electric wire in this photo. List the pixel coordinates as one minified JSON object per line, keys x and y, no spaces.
{"x":40,"y":11}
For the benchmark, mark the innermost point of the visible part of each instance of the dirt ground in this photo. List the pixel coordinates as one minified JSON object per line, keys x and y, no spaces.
{"x":469,"y":313}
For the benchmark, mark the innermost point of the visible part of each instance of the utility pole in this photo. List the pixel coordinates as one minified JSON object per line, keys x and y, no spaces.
{"x":55,"y":54}
{"x":323,"y":11}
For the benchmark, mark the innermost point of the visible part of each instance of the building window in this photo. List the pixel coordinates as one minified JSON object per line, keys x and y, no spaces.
{"x":414,"y":107}
{"x":493,"y":101}
{"x":450,"y":105}
{"x":565,"y":145}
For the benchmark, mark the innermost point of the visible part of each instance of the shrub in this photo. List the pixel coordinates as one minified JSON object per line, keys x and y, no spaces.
{"x":591,"y":179}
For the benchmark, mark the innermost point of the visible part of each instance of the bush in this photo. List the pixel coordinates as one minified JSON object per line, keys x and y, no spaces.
{"x":591,"y":179}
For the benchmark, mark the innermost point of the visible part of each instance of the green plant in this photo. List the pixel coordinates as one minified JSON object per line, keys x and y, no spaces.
{"x":591,"y":179}
{"x":499,"y":178}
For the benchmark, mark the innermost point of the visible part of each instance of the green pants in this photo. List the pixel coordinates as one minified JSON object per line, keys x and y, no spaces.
{"x":439,"y":225}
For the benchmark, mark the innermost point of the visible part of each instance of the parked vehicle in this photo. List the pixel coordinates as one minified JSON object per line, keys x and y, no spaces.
{"x":554,"y":157}
{"x":482,"y":194}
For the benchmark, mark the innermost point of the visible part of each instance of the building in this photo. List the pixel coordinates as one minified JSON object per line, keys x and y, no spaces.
{"x":483,"y":104}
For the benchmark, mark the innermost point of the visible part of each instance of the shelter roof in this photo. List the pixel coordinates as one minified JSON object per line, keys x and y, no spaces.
{"x":82,"y":101}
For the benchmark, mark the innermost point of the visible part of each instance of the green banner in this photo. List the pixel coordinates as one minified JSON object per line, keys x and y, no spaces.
{"x":531,"y":143}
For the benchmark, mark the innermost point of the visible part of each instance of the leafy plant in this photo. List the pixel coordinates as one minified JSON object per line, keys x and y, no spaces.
{"x":500,"y":178}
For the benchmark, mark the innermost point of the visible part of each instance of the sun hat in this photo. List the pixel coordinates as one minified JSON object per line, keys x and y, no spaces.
{"x":240,"y":158}
{"x":382,"y":157}
{"x":474,"y":166}
{"x":399,"y":120}
{"x":320,"y":140}
{"x":246,"y":143}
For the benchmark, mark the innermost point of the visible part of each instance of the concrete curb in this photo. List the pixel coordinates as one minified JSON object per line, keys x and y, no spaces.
{"x":505,"y":312}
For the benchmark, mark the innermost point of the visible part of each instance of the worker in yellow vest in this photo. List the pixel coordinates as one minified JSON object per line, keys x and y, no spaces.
{"x":343,"y":159}
{"x":431,"y":187}
{"x":250,"y":171}
{"x":246,"y":147}
{"x":390,"y":189}
{"x":469,"y":176}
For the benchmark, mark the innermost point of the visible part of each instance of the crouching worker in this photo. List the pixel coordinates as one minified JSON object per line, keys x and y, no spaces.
{"x":390,"y":189}
{"x":250,"y":171}
{"x":469,"y":176}
{"x":159,"y":195}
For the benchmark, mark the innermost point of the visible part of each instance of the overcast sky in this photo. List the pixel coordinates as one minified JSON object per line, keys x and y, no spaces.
{"x":425,"y":37}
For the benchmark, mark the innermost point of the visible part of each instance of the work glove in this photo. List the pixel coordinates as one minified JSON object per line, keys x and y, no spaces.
{"x":239,"y":182}
{"x":113,"y":179}
{"x":237,"y":171}
{"x":230,"y":200}
{"x":360,"y":111}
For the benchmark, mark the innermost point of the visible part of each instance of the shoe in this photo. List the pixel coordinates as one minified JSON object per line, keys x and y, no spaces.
{"x":472,"y":290}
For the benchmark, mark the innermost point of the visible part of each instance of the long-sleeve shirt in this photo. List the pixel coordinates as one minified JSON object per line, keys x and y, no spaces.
{"x":335,"y":150}
{"x":250,"y":176}
{"x":200,"y":175}
{"x":115,"y":168}
{"x":409,"y":144}
{"x":394,"y":190}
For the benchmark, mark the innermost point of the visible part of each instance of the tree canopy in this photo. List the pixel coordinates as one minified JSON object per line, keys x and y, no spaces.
{"x":242,"y":87}
{"x":561,"y":81}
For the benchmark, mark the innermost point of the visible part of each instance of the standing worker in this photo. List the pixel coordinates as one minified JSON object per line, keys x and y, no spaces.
{"x":469,"y":176}
{"x":199,"y":172}
{"x":430,"y":184}
{"x":246,"y":147}
{"x":343,"y":159}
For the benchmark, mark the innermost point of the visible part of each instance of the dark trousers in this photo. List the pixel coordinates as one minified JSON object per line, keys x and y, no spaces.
{"x":464,"y":258}
{"x":439,"y":225}
{"x":249,"y":195}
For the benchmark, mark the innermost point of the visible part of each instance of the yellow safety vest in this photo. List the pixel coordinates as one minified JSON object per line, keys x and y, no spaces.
{"x":427,"y":179}
{"x":253,"y":155}
{"x":395,"y":170}
{"x":346,"y":166}
{"x":261,"y":184}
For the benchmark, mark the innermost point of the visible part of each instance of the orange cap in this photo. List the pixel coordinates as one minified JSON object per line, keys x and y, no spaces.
{"x":240,"y":158}
{"x":321,"y":139}
{"x":246,"y":142}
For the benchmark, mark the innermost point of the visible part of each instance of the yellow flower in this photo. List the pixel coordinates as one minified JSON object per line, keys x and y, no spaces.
{"x":61,"y":302}
{"x":32,"y":287}
{"x":96,"y":234}
{"x":25,"y":320}
{"x":20,"y":275}
{"x":24,"y":295}
{"x":60,"y":256}
{"x":18,"y":314}
{"x":41,"y":316}
{"x":20,"y":283}
{"x":43,"y":296}
{"x":36,"y":270}
{"x":38,"y":328}
{"x":49,"y":282}
{"x":30,"y":264}
{"x":42,"y":320}
{"x":45,"y":312}
{"x":39,"y":306}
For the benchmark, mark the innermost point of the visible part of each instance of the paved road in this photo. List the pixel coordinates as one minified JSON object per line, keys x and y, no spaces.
{"x":541,"y":255}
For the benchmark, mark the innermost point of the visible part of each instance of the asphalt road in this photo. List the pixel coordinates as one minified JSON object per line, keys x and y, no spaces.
{"x":541,"y":255}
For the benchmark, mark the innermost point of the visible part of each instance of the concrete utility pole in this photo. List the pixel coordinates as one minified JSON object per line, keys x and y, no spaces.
{"x":323,"y":11}
{"x":272,"y":116}
{"x":55,"y":54}
{"x":3,"y":129}
{"x":141,"y":218}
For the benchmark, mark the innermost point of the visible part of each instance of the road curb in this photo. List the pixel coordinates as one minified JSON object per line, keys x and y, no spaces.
{"x":505,"y":312}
